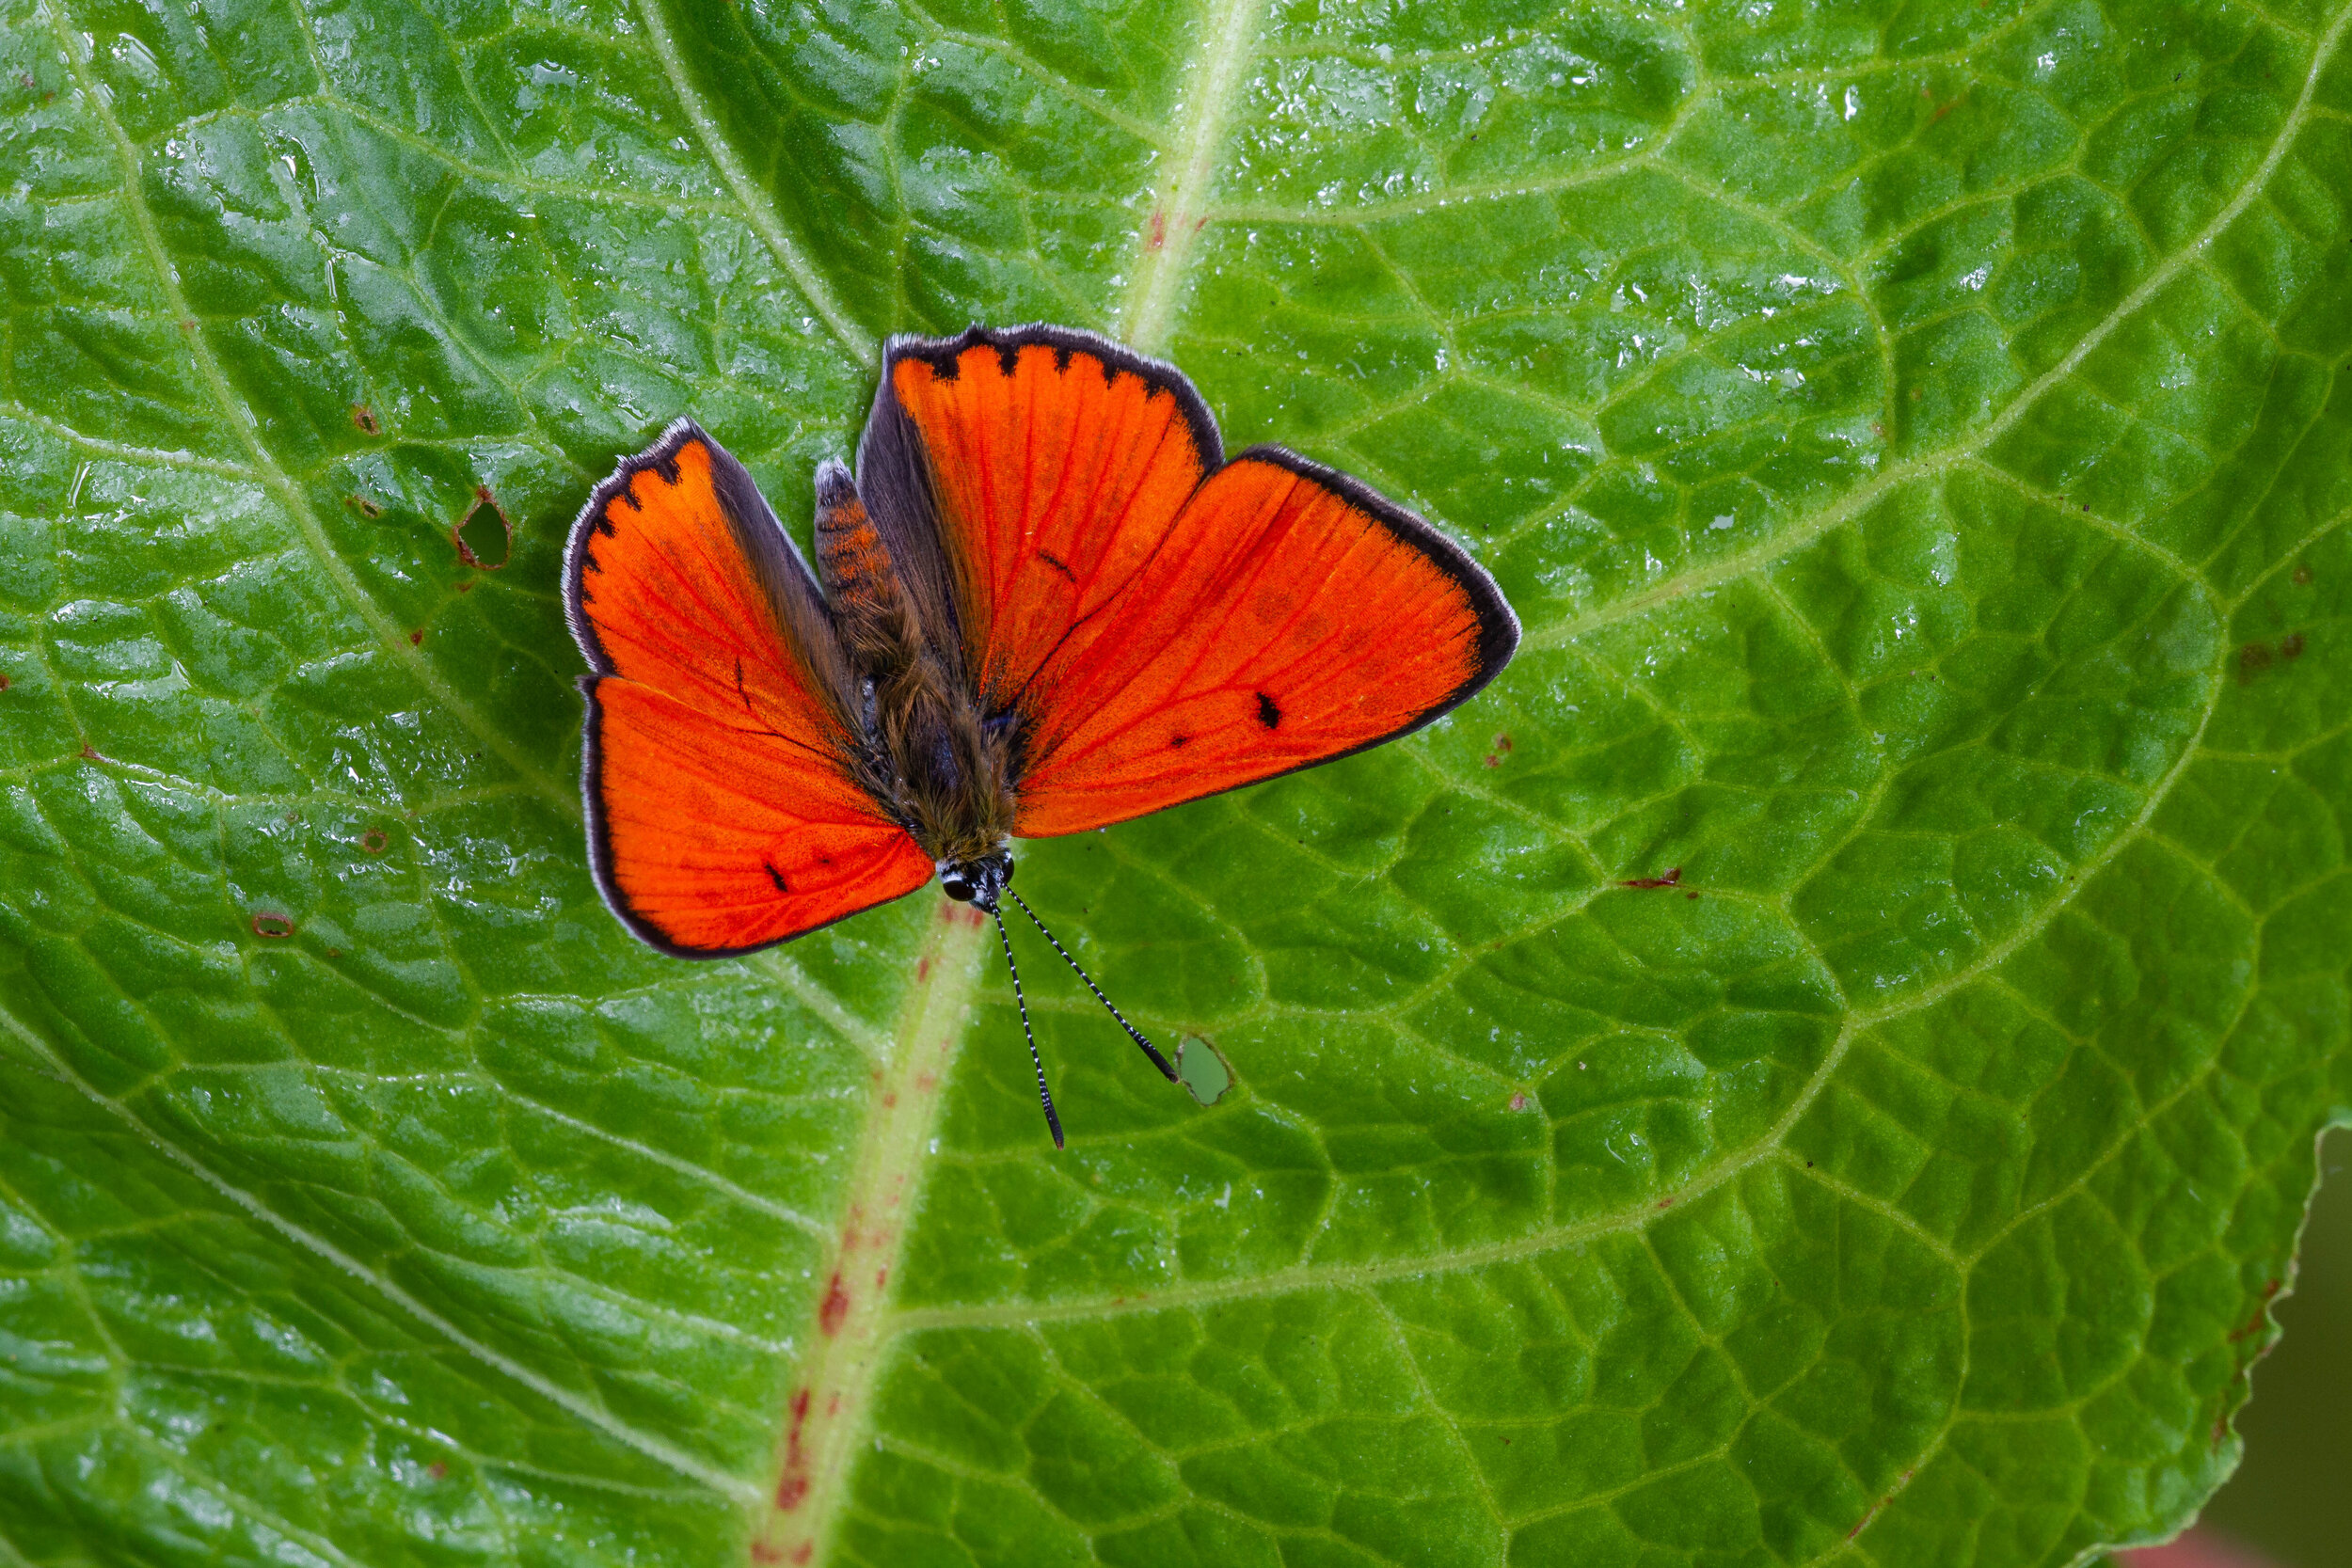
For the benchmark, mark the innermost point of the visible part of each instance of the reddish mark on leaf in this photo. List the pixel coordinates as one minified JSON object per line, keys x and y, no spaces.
{"x":2252,"y":660}
{"x":803,"y":1552}
{"x":1502,"y":743}
{"x":833,"y":1407}
{"x":89,"y":753}
{"x":1674,"y":875}
{"x":1689,"y":895}
{"x":923,"y":967}
{"x":363,"y":506}
{"x":762,"y":1552}
{"x":272,"y":925}
{"x":2302,"y":576}
{"x":437,"y":1471}
{"x":2291,"y":646}
{"x":2254,"y":1324}
{"x":1520,"y":1102}
{"x":793,"y":1485}
{"x":881,"y":1278}
{"x":334,"y":952}
{"x":890,"y":1099}
{"x":1158,"y":234}
{"x":1879,"y":1506}
{"x":466,"y":553}
{"x":835,"y":1307}
{"x":416,"y":639}
{"x":374,"y":842}
{"x":1665,"y":1203}
{"x":364,"y":416}
{"x":465,"y":585}
{"x":926,"y":1081}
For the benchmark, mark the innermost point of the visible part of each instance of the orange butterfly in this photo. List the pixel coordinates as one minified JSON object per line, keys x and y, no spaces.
{"x":1046,"y":603}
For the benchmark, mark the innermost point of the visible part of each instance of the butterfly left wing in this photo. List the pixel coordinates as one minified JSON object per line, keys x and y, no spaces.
{"x":1291,"y":616}
{"x":721,"y":817}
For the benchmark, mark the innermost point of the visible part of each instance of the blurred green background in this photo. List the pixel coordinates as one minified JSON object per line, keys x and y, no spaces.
{"x":2292,"y":1498}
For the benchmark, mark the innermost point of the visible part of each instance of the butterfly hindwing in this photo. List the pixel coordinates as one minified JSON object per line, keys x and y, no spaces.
{"x":721,"y":815}
{"x":1165,"y":627}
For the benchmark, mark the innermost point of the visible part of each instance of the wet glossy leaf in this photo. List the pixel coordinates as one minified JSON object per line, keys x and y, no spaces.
{"x":1819,"y":1064}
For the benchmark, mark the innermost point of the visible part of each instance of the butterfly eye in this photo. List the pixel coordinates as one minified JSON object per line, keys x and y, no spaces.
{"x":954,"y":886}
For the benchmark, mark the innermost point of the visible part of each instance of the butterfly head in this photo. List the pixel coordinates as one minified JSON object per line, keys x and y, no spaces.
{"x":979,"y":880}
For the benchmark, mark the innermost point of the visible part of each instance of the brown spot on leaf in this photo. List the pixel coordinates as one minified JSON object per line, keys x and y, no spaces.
{"x":1520,"y":1102}
{"x":416,"y":639}
{"x":2252,"y":660}
{"x":272,"y":925}
{"x":2291,"y":646}
{"x":2302,"y":576}
{"x":373,"y":841}
{"x":1674,"y":875}
{"x":364,"y":418}
{"x":437,"y":1471}
{"x":365,"y":507}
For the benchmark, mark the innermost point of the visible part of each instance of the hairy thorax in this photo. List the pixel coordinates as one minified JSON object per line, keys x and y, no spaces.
{"x":940,"y":764}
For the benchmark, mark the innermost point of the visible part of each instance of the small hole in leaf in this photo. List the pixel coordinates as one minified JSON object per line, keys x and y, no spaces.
{"x":485,"y":534}
{"x":272,"y":925}
{"x":365,"y":507}
{"x":364,"y":416}
{"x":1205,"y":1074}
{"x":374,"y":842}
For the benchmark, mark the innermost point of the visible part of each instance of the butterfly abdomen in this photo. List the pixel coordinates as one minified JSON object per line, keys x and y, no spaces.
{"x":930,"y":757}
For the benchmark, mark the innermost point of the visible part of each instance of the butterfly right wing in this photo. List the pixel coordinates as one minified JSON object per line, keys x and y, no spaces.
{"x":721,"y":815}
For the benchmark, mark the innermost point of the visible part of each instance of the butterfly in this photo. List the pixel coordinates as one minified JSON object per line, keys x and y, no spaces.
{"x":1043,"y":602}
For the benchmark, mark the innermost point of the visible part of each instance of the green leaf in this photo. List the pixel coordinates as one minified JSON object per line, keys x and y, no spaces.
{"x":1819,"y":1064}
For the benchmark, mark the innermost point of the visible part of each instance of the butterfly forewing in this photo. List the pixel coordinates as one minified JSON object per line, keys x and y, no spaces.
{"x":1051,"y":465}
{"x":722,"y":817}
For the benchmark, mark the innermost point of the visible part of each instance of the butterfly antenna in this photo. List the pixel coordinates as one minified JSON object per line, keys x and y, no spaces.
{"x":1044,"y":1095}
{"x":1133,"y":1033}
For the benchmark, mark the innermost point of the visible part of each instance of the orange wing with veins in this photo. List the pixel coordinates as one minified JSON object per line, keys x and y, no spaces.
{"x":1166,"y":625}
{"x":722,"y":817}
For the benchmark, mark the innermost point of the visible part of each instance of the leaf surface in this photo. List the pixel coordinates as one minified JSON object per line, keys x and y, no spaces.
{"x":1819,"y":1064}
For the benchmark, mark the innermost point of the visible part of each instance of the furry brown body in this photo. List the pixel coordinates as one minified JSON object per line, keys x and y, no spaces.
{"x":927,"y":751}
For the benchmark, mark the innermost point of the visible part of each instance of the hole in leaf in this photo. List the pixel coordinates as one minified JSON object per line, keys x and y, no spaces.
{"x":365,"y":507}
{"x":364,"y":416}
{"x":1205,"y":1073}
{"x":485,"y":534}
{"x":374,"y":842}
{"x":272,"y":925}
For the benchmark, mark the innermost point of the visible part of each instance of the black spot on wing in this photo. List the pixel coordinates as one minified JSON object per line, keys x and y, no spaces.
{"x":1268,"y":713}
{"x":774,"y":876}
